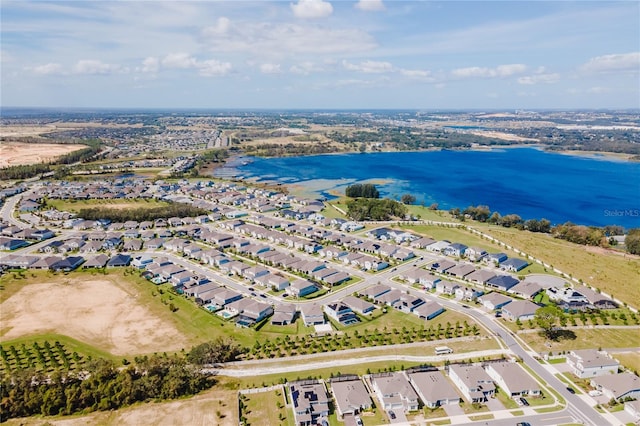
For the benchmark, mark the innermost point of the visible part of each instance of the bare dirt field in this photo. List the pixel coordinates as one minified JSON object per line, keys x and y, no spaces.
{"x":215,"y":407}
{"x":101,"y":311}
{"x":17,"y":153}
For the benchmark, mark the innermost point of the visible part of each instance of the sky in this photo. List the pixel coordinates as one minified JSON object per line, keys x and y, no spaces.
{"x":319,"y":54}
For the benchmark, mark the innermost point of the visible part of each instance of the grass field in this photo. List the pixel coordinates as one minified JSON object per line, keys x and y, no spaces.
{"x":267,"y":408}
{"x":585,"y":339}
{"x":630,"y":360}
{"x":76,"y":205}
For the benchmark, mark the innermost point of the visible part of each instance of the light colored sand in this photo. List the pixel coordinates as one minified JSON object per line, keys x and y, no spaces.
{"x":202,"y":410}
{"x":16,"y":153}
{"x":99,"y":311}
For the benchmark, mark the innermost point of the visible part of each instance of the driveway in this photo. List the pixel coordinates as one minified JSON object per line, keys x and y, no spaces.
{"x":494,"y":404}
{"x":453,"y":410}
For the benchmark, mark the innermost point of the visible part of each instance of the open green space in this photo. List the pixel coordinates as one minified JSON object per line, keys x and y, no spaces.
{"x":76,"y":205}
{"x":586,"y":338}
{"x":630,"y":360}
{"x":266,"y":408}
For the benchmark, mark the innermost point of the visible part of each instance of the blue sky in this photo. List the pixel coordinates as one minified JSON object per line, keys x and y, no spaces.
{"x":321,"y":54}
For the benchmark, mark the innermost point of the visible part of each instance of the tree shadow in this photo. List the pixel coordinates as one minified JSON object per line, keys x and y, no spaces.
{"x":558,"y":335}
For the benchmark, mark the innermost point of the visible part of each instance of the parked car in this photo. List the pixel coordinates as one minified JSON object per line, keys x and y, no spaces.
{"x":392,"y":415}
{"x":519,"y":402}
{"x":571,"y":390}
{"x":524,"y":401}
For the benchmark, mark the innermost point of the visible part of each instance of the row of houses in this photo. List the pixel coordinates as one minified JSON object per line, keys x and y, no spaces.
{"x":407,"y":391}
{"x":64,"y":264}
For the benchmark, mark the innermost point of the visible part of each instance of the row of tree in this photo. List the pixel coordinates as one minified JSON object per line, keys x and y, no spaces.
{"x":142,"y":213}
{"x":579,"y":234}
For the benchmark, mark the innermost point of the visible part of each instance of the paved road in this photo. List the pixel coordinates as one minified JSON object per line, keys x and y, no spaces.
{"x":7,"y":209}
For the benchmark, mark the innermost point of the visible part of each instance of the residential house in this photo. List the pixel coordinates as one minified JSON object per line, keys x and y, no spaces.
{"x":461,"y":270}
{"x":446,"y":287}
{"x":586,"y":363}
{"x":522,"y":310}
{"x":474,"y":383}
{"x":495,"y":258}
{"x":513,"y":379}
{"x":310,"y":402}
{"x":618,"y":386}
{"x":98,"y":261}
{"x":341,"y":313}
{"x":119,"y":260}
{"x":359,"y":305}
{"x":475,"y":254}
{"x":394,"y":391}
{"x":351,"y":396}
{"x":283,"y":315}
{"x":502,"y":282}
{"x":433,"y":388}
{"x":312,"y":314}
{"x":301,"y":288}
{"x":429,"y":310}
{"x":514,"y":265}
{"x":442,"y":266}
{"x":455,"y":249}
{"x":277,"y":282}
{"x":526,"y":289}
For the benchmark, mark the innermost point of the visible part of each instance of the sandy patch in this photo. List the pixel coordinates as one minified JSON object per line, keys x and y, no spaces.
{"x":602,"y":250}
{"x":502,"y":136}
{"x":214,"y":407}
{"x":15,"y":153}
{"x":98,"y":311}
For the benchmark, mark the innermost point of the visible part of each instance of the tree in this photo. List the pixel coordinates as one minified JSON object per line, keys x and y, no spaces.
{"x":408,"y":199}
{"x":632,"y":241}
{"x":214,"y":352}
{"x":546,"y":318}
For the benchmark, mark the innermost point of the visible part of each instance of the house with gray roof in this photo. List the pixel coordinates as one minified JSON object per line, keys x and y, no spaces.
{"x":522,"y":310}
{"x":526,"y":289}
{"x":283,"y":315}
{"x":310,"y":402}
{"x":394,"y":391}
{"x":442,"y":266}
{"x":351,"y":396}
{"x":586,"y":363}
{"x":461,"y":270}
{"x":618,"y":386}
{"x":98,"y":261}
{"x":474,"y":383}
{"x":301,"y":288}
{"x":475,"y":254}
{"x":359,"y":305}
{"x":313,"y":314}
{"x":513,"y":379}
{"x":433,"y":388}
{"x":480,"y":276}
{"x":429,"y":310}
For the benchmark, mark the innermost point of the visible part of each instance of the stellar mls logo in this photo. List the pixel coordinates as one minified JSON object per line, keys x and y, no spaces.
{"x":622,"y":213}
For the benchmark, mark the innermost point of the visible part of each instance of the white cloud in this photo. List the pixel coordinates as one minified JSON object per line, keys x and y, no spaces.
{"x":539,"y":78}
{"x":270,"y":68}
{"x":417,"y":74}
{"x":369,"y":67}
{"x":271,"y":40}
{"x":484,"y":72}
{"x":622,"y":62}
{"x":370,"y":5}
{"x":179,"y":60}
{"x":150,"y":65}
{"x":305,"y":68}
{"x":213,"y":68}
{"x":311,"y":9}
{"x":92,"y":66}
{"x":47,"y":69}
{"x":222,"y":26}
{"x":598,"y":90}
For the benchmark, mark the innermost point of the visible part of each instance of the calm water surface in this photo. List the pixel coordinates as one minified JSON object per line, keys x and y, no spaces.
{"x":526,"y":181}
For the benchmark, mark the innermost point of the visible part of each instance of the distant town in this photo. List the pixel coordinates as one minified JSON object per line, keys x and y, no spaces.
{"x":131,"y":251}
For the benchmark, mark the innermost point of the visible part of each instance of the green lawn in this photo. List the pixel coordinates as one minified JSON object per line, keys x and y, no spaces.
{"x":585,"y":339}
{"x":267,"y":408}
{"x":77,"y":205}
{"x":630,"y":360}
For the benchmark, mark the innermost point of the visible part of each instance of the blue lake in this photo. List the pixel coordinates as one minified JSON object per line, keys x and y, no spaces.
{"x":525,"y":181}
